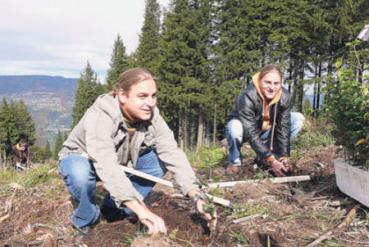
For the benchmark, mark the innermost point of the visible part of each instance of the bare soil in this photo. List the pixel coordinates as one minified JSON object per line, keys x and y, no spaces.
{"x":293,"y":214}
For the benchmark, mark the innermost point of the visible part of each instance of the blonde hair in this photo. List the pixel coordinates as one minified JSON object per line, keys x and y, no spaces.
{"x":269,"y":68}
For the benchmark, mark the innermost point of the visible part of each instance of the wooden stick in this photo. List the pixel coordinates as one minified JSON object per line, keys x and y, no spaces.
{"x":9,"y":206}
{"x":272,"y":180}
{"x":243,"y":219}
{"x":5,"y":217}
{"x":148,"y":176}
{"x":349,"y":217}
{"x":220,"y":201}
{"x":132,"y":171}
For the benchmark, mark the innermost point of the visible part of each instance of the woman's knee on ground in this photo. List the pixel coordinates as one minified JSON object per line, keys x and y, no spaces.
{"x":297,"y":123}
{"x":234,"y":130}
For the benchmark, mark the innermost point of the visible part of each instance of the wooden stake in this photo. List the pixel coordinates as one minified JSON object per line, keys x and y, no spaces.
{"x":272,"y":180}
{"x":132,"y":171}
{"x":243,"y":219}
{"x":147,"y":176}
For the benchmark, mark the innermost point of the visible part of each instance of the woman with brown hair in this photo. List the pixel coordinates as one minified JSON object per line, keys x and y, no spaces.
{"x":123,"y":128}
{"x":261,"y":115}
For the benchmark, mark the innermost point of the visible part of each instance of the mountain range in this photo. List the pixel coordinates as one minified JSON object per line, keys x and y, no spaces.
{"x":50,"y":100}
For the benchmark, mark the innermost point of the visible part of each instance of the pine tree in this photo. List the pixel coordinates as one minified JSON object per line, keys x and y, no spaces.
{"x":147,"y":54}
{"x":15,"y":122}
{"x":3,"y":131}
{"x":88,"y":90}
{"x":24,"y":122}
{"x":185,"y":68}
{"x":58,"y":145}
{"x":118,"y":63}
{"x":48,"y":153}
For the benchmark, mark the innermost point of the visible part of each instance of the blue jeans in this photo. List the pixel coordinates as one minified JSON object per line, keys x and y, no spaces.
{"x":80,"y":178}
{"x":234,"y":135}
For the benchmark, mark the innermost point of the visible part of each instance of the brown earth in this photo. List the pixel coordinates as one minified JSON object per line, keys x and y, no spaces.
{"x":293,"y":214}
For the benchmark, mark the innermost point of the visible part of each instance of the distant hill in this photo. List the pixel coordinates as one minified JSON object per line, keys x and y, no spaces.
{"x":50,"y":100}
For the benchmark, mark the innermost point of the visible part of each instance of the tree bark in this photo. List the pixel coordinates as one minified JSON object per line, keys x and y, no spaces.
{"x":315,"y":88}
{"x":200,"y":129}
{"x":215,"y":124}
{"x":318,"y":92}
{"x":181,"y":135}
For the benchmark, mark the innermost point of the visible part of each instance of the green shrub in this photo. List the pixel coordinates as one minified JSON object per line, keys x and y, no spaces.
{"x":40,"y":154}
{"x":248,"y":209}
{"x":316,"y":132}
{"x":348,"y":106}
{"x":207,"y":157}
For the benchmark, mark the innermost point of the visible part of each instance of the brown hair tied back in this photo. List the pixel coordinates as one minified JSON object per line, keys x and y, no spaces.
{"x":269,"y":68}
{"x":131,"y":77}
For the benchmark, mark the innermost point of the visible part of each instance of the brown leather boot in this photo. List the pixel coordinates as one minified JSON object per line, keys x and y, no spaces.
{"x":233,"y":170}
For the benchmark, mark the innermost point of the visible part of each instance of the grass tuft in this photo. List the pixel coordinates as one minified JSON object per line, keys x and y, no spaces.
{"x":30,"y":178}
{"x":244,"y":210}
{"x":207,"y":157}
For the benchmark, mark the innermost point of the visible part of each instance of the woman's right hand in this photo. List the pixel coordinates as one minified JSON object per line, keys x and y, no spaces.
{"x":153,"y":222}
{"x":279,"y":168}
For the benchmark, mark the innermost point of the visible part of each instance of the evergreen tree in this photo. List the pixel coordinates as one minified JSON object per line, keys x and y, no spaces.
{"x":24,"y":122}
{"x":185,"y":68}
{"x":118,"y":63}
{"x":58,"y":145}
{"x":4,"y":130}
{"x":88,"y":90}
{"x":15,"y":122}
{"x":147,"y":54}
{"x":48,"y":153}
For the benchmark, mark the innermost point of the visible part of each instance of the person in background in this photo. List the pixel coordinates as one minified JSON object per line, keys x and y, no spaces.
{"x":124,"y":128}
{"x":261,"y":115}
{"x":22,"y":154}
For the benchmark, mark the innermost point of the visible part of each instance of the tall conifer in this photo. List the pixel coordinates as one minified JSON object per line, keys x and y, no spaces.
{"x":58,"y":145}
{"x":118,"y":63}
{"x":184,"y":68}
{"x":147,"y":54}
{"x":88,"y":90}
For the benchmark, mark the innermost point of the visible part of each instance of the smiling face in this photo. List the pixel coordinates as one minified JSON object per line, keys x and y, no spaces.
{"x":270,"y":84}
{"x":139,"y":102}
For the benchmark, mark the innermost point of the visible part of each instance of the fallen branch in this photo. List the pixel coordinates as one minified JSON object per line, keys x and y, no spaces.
{"x":9,"y":206}
{"x":349,"y":217}
{"x":272,"y":180}
{"x":132,"y":171}
{"x":5,"y":217}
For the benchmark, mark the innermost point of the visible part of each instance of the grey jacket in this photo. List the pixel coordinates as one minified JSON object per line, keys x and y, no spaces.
{"x":101,"y":136}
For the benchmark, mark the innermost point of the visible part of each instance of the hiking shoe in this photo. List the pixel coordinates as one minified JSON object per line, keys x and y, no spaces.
{"x":233,"y":170}
{"x":112,"y":214}
{"x":19,"y":167}
{"x":85,"y":230}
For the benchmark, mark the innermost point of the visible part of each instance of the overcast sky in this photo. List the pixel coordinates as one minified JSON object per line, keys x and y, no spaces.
{"x":57,"y":37}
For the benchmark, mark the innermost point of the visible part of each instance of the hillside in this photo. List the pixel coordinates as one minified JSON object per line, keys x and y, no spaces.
{"x":36,"y":206}
{"x":50,"y":100}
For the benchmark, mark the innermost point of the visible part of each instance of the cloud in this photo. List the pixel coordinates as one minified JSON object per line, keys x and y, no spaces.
{"x":58,"y":37}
